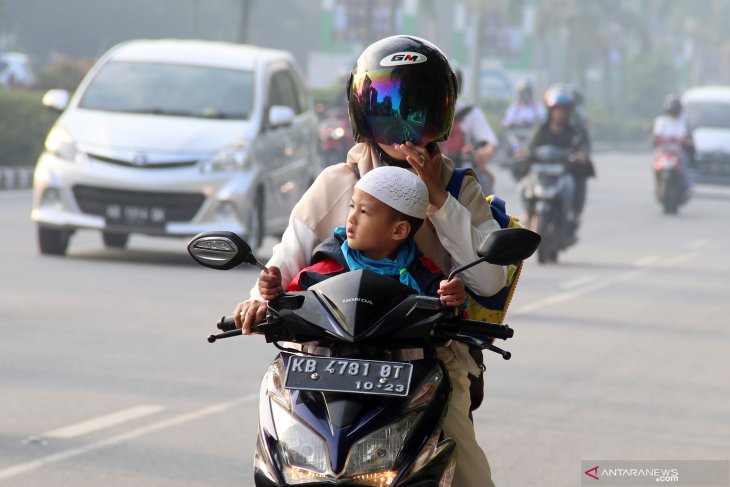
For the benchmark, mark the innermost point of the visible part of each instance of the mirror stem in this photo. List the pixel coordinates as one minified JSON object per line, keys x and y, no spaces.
{"x":465,"y":267}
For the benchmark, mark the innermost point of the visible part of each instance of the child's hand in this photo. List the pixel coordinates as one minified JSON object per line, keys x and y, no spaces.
{"x":270,"y":284}
{"x":453,"y":292}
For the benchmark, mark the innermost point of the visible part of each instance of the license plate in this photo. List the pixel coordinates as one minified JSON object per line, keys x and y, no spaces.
{"x":348,"y":375}
{"x":134,"y":216}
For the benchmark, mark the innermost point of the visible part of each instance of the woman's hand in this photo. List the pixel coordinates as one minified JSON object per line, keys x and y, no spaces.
{"x":453,"y":292}
{"x":270,"y":284}
{"x":428,"y":168}
{"x":249,"y":314}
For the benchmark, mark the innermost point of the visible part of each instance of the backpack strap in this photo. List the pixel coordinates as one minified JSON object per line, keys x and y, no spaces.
{"x":454,"y":186}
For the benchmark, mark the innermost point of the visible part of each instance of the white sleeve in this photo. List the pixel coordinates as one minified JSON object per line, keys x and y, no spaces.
{"x":479,"y":128}
{"x":292,"y":254}
{"x":453,"y":221}
{"x":509,"y":116}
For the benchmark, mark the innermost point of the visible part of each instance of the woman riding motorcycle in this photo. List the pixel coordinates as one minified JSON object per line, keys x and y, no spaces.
{"x":401,"y":94}
{"x":558,"y":131}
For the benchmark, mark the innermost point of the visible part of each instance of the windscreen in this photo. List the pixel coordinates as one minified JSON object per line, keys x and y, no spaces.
{"x":708,"y":114}
{"x":171,"y":89}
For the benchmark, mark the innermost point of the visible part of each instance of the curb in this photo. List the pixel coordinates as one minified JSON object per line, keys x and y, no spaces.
{"x":16,"y":178}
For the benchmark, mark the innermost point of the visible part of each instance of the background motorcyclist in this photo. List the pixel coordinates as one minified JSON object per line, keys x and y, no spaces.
{"x":558,"y":131}
{"x":672,"y":127}
{"x":472,"y":141}
{"x":524,"y":111}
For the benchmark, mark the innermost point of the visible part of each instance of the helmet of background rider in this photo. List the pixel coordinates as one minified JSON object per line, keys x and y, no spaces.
{"x":402,"y":88}
{"x":524,"y":91}
{"x":672,"y":105}
{"x":577,"y":95}
{"x":559,"y":95}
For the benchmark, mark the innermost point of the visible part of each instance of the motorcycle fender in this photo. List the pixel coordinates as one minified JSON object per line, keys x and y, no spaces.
{"x":542,"y":207}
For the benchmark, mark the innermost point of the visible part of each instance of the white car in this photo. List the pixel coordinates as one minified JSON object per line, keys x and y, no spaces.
{"x":707,"y":109}
{"x":173,"y":138}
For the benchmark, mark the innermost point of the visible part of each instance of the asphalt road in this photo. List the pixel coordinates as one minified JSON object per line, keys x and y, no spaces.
{"x":620,"y":351}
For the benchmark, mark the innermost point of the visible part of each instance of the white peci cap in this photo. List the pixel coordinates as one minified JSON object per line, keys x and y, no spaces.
{"x":398,"y":188}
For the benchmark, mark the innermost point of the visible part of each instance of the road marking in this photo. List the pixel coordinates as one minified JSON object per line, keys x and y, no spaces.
{"x":26,"y":467}
{"x":598,"y":285}
{"x":580,"y":281}
{"x":102,"y":422}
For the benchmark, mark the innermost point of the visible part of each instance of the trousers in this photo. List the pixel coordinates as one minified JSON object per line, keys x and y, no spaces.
{"x":472,"y":467}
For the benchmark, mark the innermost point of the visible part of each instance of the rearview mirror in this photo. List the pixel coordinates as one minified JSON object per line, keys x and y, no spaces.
{"x":509,"y":246}
{"x":221,"y":250}
{"x":56,"y":100}
{"x":280,"y":115}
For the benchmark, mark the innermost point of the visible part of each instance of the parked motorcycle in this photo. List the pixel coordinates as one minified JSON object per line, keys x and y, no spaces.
{"x":671,"y":190}
{"x":348,"y":408}
{"x":547,"y":190}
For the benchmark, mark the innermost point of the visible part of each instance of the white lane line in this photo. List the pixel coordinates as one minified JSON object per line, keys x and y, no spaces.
{"x":26,"y":467}
{"x":574,"y":283}
{"x":597,"y":285}
{"x":102,"y":422}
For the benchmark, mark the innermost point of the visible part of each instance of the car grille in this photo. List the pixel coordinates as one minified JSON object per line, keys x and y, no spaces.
{"x":143,"y":163}
{"x":178,"y":207}
{"x":712,"y":163}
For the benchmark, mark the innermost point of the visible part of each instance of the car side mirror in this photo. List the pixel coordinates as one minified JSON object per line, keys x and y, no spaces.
{"x":280,"y":115}
{"x":56,"y":100}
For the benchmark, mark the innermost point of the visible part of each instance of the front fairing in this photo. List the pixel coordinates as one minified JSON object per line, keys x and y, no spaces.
{"x":343,"y":420}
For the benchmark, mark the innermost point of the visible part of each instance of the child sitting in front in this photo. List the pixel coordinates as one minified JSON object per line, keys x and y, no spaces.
{"x":387,"y":207}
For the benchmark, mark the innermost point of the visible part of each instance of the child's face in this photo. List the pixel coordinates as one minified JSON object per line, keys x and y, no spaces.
{"x":372,"y":228}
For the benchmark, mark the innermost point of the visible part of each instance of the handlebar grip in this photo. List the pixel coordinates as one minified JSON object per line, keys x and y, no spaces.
{"x":227,"y":323}
{"x":491,"y":330}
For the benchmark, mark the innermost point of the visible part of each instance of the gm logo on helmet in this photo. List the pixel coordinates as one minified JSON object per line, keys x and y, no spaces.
{"x":403,"y":58}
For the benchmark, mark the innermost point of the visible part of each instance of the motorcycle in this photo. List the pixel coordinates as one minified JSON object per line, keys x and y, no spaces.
{"x":516,"y":136}
{"x":547,"y":190}
{"x":671,"y":190}
{"x":335,"y":137}
{"x":352,"y":406}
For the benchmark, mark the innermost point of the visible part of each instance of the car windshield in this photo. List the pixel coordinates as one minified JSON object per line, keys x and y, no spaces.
{"x":171,"y":89}
{"x":707,"y":114}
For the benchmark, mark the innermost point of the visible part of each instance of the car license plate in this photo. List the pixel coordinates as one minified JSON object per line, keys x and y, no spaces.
{"x":134,"y":216}
{"x":348,"y":375}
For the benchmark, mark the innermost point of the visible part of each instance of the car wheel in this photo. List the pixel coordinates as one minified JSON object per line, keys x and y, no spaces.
{"x":256,"y":230}
{"x":53,"y":241}
{"x":115,"y":240}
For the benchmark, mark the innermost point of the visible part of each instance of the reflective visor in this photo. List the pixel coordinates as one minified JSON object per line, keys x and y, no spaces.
{"x":403,"y":104}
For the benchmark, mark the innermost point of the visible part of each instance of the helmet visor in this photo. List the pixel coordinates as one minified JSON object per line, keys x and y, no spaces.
{"x":393,"y":106}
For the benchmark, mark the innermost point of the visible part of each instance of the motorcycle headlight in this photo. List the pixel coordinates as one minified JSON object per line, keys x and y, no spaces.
{"x":60,"y":143}
{"x":231,"y":158}
{"x":377,"y":453}
{"x":303,"y":453}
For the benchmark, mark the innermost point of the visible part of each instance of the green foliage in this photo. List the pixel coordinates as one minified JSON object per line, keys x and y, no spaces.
{"x":610,"y":126}
{"x":24,"y":123}
{"x":648,"y":79}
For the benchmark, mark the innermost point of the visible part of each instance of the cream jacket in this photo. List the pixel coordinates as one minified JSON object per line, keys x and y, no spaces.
{"x":450,"y":236}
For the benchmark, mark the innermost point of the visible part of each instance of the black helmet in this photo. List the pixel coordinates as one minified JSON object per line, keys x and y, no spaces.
{"x":672,"y":105}
{"x":559,"y":96}
{"x":402,"y":88}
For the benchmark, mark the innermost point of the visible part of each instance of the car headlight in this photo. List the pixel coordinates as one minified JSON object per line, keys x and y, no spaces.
{"x":231,"y":158}
{"x":373,"y":457}
{"x":303,"y":453}
{"x":60,"y":143}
